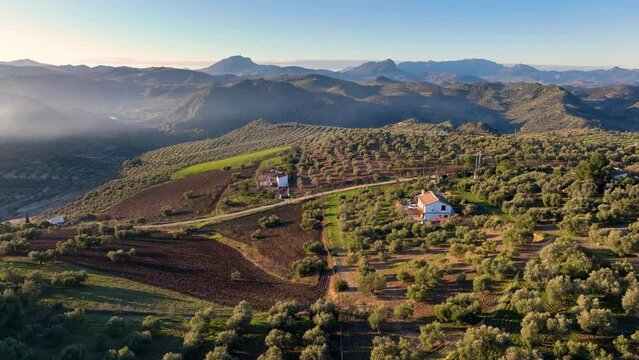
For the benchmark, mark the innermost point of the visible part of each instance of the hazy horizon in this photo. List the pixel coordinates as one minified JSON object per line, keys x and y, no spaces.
{"x":196,"y":34}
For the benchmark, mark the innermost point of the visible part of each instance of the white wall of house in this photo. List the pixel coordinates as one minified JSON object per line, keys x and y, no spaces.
{"x":436,"y":210}
{"x":282,"y":181}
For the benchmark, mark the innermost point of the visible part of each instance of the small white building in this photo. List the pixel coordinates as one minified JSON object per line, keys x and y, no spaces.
{"x":56,"y":220}
{"x":434,"y":207}
{"x":282,"y":179}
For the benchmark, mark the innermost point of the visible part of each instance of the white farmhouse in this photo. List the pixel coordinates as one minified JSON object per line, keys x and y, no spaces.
{"x":282,"y":179}
{"x":56,"y":220}
{"x":434,"y":207}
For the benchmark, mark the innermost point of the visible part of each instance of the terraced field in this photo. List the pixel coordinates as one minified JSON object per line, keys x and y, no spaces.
{"x":159,"y":165}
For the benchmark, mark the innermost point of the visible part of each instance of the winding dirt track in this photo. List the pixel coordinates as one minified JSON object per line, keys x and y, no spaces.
{"x":218,"y":218}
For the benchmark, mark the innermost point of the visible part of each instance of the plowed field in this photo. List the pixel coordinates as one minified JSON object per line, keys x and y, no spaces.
{"x":199,"y":267}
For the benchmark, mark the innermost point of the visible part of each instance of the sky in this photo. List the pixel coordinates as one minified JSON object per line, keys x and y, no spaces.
{"x":324,"y":33}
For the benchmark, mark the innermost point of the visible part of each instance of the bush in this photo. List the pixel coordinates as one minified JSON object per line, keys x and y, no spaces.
{"x":74,"y":318}
{"x":11,"y":348}
{"x":65,"y":247}
{"x":314,"y":247}
{"x":166,"y":211}
{"x":219,"y":353}
{"x":315,"y":352}
{"x":481,"y":282}
{"x":73,"y":352}
{"x":278,"y":338}
{"x":371,"y":282}
{"x":226,"y":338}
{"x":14,"y":246}
{"x":378,"y":318}
{"x":282,"y":314}
{"x":308,"y":266}
{"x":139,"y":341}
{"x":115,"y":326}
{"x":29,"y":234}
{"x":151,"y":323}
{"x":340,"y":285}
{"x":315,"y":336}
{"x":188,"y":195}
{"x":87,"y":241}
{"x":120,"y":256}
{"x":42,"y":256}
{"x":241,"y":317}
{"x":69,"y":278}
{"x":269,"y":221}
{"x":404,"y":310}
{"x":484,"y":342}
{"x":272,"y":353}
{"x":460,"y":308}
{"x":123,"y":354}
{"x":172,"y":356}
{"x":431,"y":335}
{"x":257,"y":234}
{"x":236,"y":276}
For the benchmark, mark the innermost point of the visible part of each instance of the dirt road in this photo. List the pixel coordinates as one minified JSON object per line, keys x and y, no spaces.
{"x":246,"y":212}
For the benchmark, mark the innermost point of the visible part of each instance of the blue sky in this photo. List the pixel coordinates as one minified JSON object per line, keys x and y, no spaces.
{"x":195,"y":33}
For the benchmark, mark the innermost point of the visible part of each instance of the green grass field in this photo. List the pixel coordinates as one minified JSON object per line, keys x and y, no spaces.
{"x":331,"y":208}
{"x":234,"y":162}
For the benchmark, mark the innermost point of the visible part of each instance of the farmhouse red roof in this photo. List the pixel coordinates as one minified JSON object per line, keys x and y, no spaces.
{"x":430,"y":197}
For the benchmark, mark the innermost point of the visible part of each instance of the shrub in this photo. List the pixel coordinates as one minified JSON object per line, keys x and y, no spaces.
{"x":241,"y":317}
{"x":484,"y":342}
{"x":139,"y":341}
{"x":151,"y":323}
{"x":308,"y":266}
{"x":188,"y":195}
{"x":73,"y":352}
{"x":226,"y":338}
{"x":431,"y":335}
{"x":314,"y":247}
{"x":172,"y":356}
{"x":123,"y":354}
{"x":166,"y":211}
{"x":74,"y":318}
{"x":236,"y":276}
{"x":219,"y":353}
{"x":340,"y":285}
{"x":29,"y":234}
{"x":14,"y":246}
{"x":278,"y":338}
{"x":315,"y":336}
{"x":87,"y":241}
{"x":371,"y":282}
{"x":257,"y":234}
{"x":404,"y":310}
{"x":11,"y":348}
{"x":42,"y":256}
{"x":460,"y":308}
{"x":481,"y":282}
{"x":91,"y":229}
{"x":269,"y":221}
{"x":69,"y":278}
{"x":315,"y":352}
{"x":378,"y":318}
{"x":115,"y":326}
{"x":272,"y":353}
{"x":120,"y":256}
{"x":282,"y":314}
{"x":65,"y":247}
{"x":385,"y":348}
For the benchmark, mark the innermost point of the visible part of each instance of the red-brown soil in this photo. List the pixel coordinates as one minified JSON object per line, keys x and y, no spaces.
{"x":281,"y":245}
{"x":198,"y":267}
{"x":207,"y":187}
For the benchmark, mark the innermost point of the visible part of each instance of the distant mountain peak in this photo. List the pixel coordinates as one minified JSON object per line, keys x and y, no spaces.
{"x":231,"y":65}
